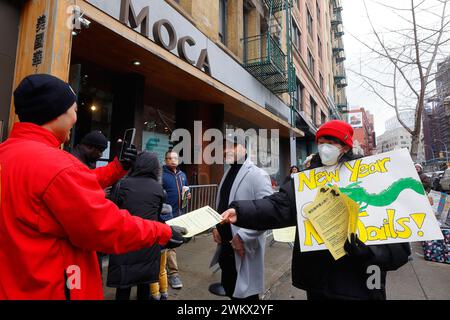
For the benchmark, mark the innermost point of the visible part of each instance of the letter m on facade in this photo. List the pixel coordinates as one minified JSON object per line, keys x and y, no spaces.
{"x":128,"y":15}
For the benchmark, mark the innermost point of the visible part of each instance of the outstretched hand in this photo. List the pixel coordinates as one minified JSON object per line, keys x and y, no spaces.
{"x":229,"y":216}
{"x":177,"y":238}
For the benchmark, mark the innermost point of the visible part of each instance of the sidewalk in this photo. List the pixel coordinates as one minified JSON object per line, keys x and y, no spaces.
{"x":194,"y":259}
{"x":417,"y":280}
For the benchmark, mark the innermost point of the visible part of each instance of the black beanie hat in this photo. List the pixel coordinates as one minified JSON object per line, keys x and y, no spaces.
{"x":95,"y":139}
{"x":40,"y":98}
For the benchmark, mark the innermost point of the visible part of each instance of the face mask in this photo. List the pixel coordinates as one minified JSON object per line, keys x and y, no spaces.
{"x":329,"y":154}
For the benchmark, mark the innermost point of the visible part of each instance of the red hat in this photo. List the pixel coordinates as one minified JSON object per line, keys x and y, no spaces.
{"x":337,"y":129}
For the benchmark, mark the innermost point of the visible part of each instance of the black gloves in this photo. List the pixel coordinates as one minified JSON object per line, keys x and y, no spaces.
{"x":129,"y":157}
{"x":177,"y":237}
{"x":356,"y":248}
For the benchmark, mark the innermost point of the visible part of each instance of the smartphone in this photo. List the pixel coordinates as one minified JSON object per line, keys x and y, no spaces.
{"x":128,"y":140}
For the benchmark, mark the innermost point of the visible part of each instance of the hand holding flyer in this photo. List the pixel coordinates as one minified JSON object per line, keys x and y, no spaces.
{"x":197,"y":221}
{"x":329,"y":215}
{"x":185,"y":196}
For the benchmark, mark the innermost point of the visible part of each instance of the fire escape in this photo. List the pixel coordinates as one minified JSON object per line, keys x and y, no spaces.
{"x":264,"y":56}
{"x":340,"y":77}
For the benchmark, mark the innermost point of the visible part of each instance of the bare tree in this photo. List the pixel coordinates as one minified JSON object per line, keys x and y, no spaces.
{"x":404,"y":60}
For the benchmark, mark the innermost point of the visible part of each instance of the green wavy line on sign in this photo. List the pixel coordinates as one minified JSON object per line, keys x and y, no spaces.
{"x":385,"y":197}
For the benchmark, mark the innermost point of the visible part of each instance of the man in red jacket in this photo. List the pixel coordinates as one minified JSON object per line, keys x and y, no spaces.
{"x":53,"y":212}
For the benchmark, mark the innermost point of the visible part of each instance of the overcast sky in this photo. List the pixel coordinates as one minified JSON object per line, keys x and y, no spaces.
{"x":356,"y":25}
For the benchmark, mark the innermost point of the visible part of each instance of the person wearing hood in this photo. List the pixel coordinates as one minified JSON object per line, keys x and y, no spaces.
{"x":143,"y":196}
{"x":54,"y":215}
{"x":317,"y":272}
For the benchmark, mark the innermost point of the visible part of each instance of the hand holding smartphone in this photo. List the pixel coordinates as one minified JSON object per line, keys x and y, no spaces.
{"x":128,"y":140}
{"x":128,"y":152}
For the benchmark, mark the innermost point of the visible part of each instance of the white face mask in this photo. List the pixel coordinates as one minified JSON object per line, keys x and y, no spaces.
{"x":329,"y":154}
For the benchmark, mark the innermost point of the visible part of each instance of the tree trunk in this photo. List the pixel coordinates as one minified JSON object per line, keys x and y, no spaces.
{"x":415,"y":139}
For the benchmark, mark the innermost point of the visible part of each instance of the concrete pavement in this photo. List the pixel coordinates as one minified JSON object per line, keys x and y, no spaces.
{"x":193,"y":262}
{"x":417,"y":280}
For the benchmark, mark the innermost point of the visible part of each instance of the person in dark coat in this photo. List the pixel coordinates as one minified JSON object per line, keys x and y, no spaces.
{"x":89,"y":151}
{"x":91,"y":148}
{"x":317,"y":272}
{"x":293,"y":170}
{"x":426,"y":181}
{"x":143,"y":196}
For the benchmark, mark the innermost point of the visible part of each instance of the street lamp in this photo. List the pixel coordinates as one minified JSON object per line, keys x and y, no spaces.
{"x":445,"y":146}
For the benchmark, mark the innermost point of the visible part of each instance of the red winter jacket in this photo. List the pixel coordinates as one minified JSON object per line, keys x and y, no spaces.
{"x":54,"y":217}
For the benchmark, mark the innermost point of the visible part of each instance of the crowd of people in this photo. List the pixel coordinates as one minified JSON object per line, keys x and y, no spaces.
{"x":57,"y":223}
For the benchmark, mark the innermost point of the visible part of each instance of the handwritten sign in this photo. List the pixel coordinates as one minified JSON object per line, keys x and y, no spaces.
{"x":393,"y":204}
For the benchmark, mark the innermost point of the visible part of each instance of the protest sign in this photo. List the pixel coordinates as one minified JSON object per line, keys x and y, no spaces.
{"x":394,"y":207}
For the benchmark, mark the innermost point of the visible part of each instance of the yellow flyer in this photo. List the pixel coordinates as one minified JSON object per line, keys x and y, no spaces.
{"x":328,"y":214}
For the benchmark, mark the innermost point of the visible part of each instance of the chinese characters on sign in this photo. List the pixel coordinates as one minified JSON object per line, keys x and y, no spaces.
{"x":39,"y":40}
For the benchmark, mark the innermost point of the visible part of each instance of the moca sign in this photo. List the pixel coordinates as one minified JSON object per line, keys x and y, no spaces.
{"x":128,"y":15}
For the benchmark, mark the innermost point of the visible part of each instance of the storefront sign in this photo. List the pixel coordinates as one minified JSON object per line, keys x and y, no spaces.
{"x":156,"y":142}
{"x":160,"y":22}
{"x":142,"y":20}
{"x":38,"y":53}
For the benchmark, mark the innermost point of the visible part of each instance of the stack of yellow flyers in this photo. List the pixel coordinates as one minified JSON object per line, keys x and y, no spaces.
{"x":353,"y":212}
{"x":334,"y":216}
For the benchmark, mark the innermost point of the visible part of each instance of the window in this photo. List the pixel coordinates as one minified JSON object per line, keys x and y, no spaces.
{"x":319,"y":47}
{"x":310,"y":62}
{"x":309,"y":22}
{"x":223,"y":21}
{"x":299,"y":91}
{"x":318,"y":12}
{"x":323,"y":117}
{"x":313,"y":110}
{"x":297,"y":36}
{"x":321,"y":81}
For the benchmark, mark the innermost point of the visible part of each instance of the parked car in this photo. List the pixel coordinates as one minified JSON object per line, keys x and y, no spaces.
{"x":444,"y":181}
